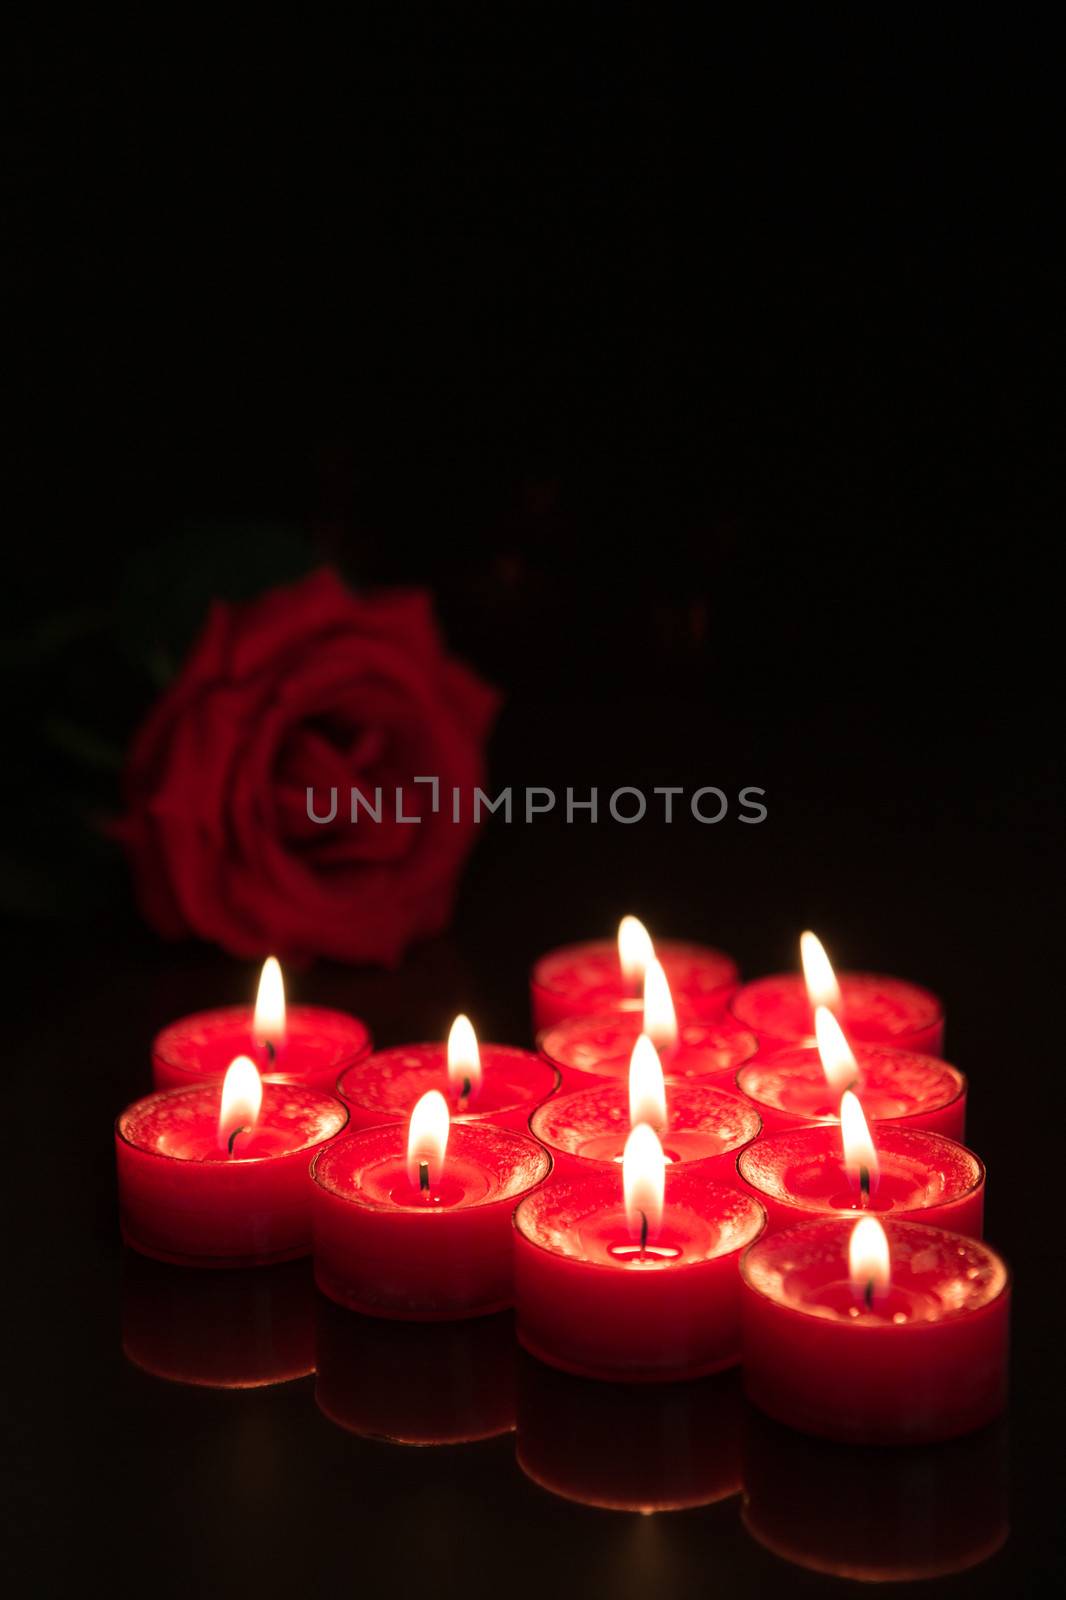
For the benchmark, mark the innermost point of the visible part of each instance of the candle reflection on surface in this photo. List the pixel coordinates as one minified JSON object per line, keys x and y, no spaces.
{"x":875,"y":1515}
{"x":218,"y":1329}
{"x":630,"y":1447}
{"x":415,"y":1383}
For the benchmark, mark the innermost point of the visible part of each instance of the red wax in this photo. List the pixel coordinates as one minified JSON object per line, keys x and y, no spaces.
{"x":386,"y":1086}
{"x":599,"y":1046}
{"x":801,"y":1174}
{"x":384,"y":1248}
{"x":579,"y":979}
{"x":589,"y":1128}
{"x":317,"y":1046}
{"x":789,"y":1089}
{"x":219,"y":1330}
{"x":411,"y":1383}
{"x":589,"y":1301}
{"x":182,"y":1198}
{"x":630,"y":1447}
{"x":927,"y":1362}
{"x":874,"y":1010}
{"x":875,"y":1516}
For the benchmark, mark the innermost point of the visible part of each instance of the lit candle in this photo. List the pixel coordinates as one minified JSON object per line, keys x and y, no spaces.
{"x":841,"y":1166}
{"x":632,"y":1275}
{"x":481,"y":1082}
{"x":603,"y":975}
{"x":692,"y":1049}
{"x":415,"y":1222}
{"x":216,"y":1175}
{"x":696,"y":1122}
{"x":289,"y":1044}
{"x":800,"y":1085}
{"x":874,"y":1334}
{"x":872,"y":1009}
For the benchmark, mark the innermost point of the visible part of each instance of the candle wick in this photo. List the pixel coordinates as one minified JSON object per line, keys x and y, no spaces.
{"x":464,"y":1094}
{"x":868,"y":1294}
{"x":864,"y":1184}
{"x":271,"y":1051}
{"x":423,"y":1176}
{"x":643,"y":1232}
{"x":233,"y":1136}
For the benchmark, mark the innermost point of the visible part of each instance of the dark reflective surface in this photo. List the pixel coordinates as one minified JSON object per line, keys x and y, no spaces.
{"x":259,"y":1487}
{"x":875,"y":1515}
{"x":415,"y":1383}
{"x":224,"y":1330}
{"x":638,"y":1447}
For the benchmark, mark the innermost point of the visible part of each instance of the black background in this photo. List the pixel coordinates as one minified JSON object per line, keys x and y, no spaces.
{"x":712,"y":379}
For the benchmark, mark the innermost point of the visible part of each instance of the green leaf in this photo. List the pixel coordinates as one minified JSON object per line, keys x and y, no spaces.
{"x":167,"y":589}
{"x":84,"y":745}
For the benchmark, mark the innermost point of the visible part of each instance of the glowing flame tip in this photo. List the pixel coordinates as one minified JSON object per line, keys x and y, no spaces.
{"x":635,"y":949}
{"x":242,"y":1097}
{"x":822,"y":986}
{"x":643,"y":1181}
{"x":838,"y":1061}
{"x":268,"y":1023}
{"x":427,"y":1139}
{"x":647,"y":1091}
{"x":464,"y":1057}
{"x":860,"y":1152}
{"x":660,"y":1018}
{"x":869,"y":1263}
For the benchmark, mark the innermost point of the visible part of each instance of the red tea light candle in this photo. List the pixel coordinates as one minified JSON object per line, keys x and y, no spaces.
{"x":601,"y":975}
{"x":216,"y":1175}
{"x":415,"y":1222}
{"x":585,"y":1049}
{"x":796,"y":1087}
{"x":695,"y":1122}
{"x":870,"y":1008}
{"x":481,"y":1082}
{"x":294,"y":1044}
{"x":907,"y":1172}
{"x":413,"y":1383}
{"x":219,"y":1330}
{"x":682,"y":1441}
{"x":631,"y":1276}
{"x":875,"y":1516}
{"x":872,"y":1334}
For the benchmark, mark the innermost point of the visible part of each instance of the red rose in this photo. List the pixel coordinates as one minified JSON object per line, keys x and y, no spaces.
{"x":308,"y":686}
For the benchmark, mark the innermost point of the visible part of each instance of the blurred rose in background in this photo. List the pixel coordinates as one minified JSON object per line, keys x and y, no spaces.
{"x":307,"y":686}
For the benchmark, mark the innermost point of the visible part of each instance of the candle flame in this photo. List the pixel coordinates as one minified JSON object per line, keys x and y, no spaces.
{"x":268,"y":1024}
{"x":660,"y":1018}
{"x":822,"y":986}
{"x":647,"y":1091}
{"x":860,"y":1153}
{"x":464,"y":1058}
{"x":427,"y":1138}
{"x":838,"y":1062}
{"x":635,"y":949}
{"x":242,"y":1096}
{"x":869,"y":1264}
{"x":643,"y":1181}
